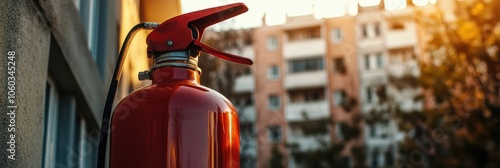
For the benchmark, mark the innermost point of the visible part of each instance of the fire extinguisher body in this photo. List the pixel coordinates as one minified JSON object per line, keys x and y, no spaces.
{"x":175,"y":122}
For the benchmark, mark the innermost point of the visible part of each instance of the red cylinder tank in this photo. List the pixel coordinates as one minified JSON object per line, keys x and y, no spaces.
{"x":175,"y":122}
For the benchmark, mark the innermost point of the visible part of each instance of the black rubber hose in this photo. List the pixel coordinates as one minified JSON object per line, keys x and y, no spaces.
{"x":106,"y":114}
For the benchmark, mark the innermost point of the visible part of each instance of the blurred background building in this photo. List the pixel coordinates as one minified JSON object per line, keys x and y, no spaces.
{"x":314,"y":78}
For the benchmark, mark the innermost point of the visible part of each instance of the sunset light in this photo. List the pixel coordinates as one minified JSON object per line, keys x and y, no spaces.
{"x":276,"y":12}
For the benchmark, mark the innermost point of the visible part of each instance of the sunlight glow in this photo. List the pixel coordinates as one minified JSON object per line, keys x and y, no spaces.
{"x":367,"y":3}
{"x":420,"y":2}
{"x":391,"y":5}
{"x":275,"y":17}
{"x":297,"y":7}
{"x":330,"y":9}
{"x":276,"y":11}
{"x":353,"y":8}
{"x":337,"y":8}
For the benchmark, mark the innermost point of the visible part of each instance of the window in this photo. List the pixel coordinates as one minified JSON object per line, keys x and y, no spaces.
{"x":89,"y":12}
{"x":275,"y":134}
{"x":86,"y":152}
{"x":377,"y":29}
{"x":367,"y":62}
{"x":369,"y":94}
{"x":273,"y":72}
{"x":307,"y":95}
{"x":380,"y":60}
{"x":339,"y":65}
{"x":274,"y":102}
{"x":373,"y":131}
{"x":50,"y":123}
{"x":397,"y":26}
{"x":304,"y":33}
{"x":374,"y":61}
{"x":339,"y":97}
{"x":304,"y":65}
{"x":67,"y":140}
{"x":336,"y":35}
{"x":375,"y":158}
{"x":338,"y":131}
{"x":364,"y":30}
{"x":272,"y":43}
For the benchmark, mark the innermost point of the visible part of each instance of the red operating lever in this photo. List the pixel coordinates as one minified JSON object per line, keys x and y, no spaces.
{"x":185,"y":31}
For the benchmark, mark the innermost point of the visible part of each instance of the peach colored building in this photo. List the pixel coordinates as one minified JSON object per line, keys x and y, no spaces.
{"x":304,"y":70}
{"x":307,"y":70}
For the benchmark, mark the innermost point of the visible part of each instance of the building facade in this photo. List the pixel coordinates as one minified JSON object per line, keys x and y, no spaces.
{"x":329,"y":73}
{"x":388,"y":42}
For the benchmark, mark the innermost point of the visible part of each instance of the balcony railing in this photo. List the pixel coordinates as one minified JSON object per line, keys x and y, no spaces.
{"x":402,"y":38}
{"x":305,"y":79}
{"x":304,"y":48}
{"x":307,"y":110}
{"x":246,"y":114}
{"x":306,"y":143}
{"x":244,"y":84}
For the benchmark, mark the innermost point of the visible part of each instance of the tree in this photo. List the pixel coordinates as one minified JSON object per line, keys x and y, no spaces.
{"x":276,"y":158}
{"x":329,"y":154}
{"x":462,"y":75}
{"x":220,"y":74}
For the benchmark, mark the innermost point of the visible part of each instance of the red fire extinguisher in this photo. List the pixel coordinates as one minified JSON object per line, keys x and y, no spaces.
{"x":175,"y":121}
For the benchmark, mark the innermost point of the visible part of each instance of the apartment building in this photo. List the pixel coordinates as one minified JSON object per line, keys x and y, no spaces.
{"x":304,"y":71}
{"x":312,"y":76}
{"x":388,"y":45}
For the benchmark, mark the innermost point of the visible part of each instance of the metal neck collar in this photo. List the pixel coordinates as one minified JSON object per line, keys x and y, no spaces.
{"x":184,"y":59}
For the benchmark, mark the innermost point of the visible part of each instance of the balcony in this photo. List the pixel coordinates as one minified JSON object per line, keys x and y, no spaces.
{"x":243,"y":84}
{"x":246,"y":114}
{"x":306,"y":143}
{"x":305,"y":79}
{"x":402,"y":38}
{"x":304,"y":48}
{"x":309,"y":110}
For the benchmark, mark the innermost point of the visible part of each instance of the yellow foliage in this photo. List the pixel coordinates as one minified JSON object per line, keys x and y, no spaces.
{"x":477,"y":9}
{"x":468,"y":31}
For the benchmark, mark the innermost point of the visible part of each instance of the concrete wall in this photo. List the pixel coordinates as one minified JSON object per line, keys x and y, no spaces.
{"x":48,"y":40}
{"x":25,"y":30}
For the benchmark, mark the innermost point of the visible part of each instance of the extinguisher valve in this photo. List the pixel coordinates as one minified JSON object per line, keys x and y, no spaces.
{"x":177,"y":41}
{"x":145,"y":75}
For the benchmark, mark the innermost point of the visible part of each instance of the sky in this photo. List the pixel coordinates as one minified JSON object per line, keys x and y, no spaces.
{"x":277,"y":10}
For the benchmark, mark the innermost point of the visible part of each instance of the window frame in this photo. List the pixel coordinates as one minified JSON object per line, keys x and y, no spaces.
{"x":272,"y":43}
{"x":50,"y":124}
{"x":275,"y":130}
{"x":339,"y":65}
{"x":339,"y":97}
{"x":273,"y":72}
{"x":306,"y":65}
{"x":336,"y":35}
{"x":379,"y":60}
{"x":274,"y":102}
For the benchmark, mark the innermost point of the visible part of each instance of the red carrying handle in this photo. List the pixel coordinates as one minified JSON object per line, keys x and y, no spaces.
{"x":223,"y":55}
{"x":185,"y":31}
